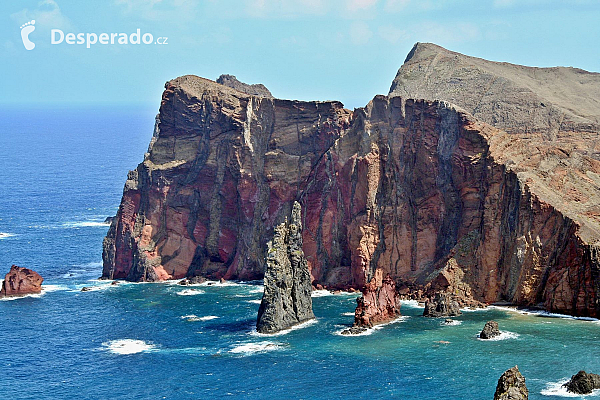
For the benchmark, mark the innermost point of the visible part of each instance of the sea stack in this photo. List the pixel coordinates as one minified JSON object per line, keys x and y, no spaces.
{"x":286,"y":299}
{"x":490,"y":330}
{"x":20,"y":281}
{"x":379,"y":302}
{"x":511,"y":386}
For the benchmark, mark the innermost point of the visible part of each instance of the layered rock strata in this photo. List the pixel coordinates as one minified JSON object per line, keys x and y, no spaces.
{"x":511,"y":386}
{"x":286,"y":299}
{"x":21,"y":281}
{"x":379,"y":302}
{"x":406,"y":186}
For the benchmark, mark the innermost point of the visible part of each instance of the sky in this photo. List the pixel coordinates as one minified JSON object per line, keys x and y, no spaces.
{"x":346,"y":50}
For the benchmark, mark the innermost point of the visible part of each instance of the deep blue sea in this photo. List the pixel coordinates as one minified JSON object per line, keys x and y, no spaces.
{"x":62,"y":172}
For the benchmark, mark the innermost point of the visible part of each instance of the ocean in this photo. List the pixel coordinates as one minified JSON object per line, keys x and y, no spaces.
{"x":62,"y":173}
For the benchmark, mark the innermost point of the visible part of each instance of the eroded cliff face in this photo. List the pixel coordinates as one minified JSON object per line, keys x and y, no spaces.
{"x":222,"y":170}
{"x":405,"y":186}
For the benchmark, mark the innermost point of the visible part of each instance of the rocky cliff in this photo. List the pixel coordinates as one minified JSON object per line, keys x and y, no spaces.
{"x":407,"y":186}
{"x":286,"y":299}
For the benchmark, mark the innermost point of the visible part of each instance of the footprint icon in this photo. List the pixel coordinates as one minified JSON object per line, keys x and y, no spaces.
{"x":26,"y":29}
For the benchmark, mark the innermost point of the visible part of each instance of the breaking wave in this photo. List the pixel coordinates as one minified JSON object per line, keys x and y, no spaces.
{"x":249,"y":349}
{"x":127,"y":346}
{"x":302,"y":325}
{"x":190,"y":292}
{"x":557,"y":389}
{"x":504,"y":335}
{"x":193,"y":318}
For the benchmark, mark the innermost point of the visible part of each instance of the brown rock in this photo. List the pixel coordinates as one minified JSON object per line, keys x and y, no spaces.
{"x":20,"y":281}
{"x":379,"y":302}
{"x":419,"y":189}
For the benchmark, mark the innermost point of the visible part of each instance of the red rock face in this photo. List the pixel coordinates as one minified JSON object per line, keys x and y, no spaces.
{"x":379,"y":303}
{"x":21,"y":281}
{"x":401,"y":186}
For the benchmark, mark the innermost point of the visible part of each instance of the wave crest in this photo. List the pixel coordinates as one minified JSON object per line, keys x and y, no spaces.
{"x":127,"y":346}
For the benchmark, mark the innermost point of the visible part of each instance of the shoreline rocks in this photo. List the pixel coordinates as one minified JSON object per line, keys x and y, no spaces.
{"x":287,"y":298}
{"x":20,"y":281}
{"x":490,"y":330}
{"x":511,"y":386}
{"x":583,"y":383}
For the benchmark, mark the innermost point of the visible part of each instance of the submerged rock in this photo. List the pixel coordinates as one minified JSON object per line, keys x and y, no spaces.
{"x":287,"y":298}
{"x":194,"y":280}
{"x":86,"y":289}
{"x":441,"y":306}
{"x":20,"y":281}
{"x":354,"y":330}
{"x":583,"y":383}
{"x":379,"y":302}
{"x":511,"y":386}
{"x":490,"y":330}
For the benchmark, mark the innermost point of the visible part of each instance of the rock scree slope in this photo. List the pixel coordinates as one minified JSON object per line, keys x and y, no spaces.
{"x":405,"y":185}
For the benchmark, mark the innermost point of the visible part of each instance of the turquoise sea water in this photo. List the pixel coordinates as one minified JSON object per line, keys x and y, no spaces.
{"x":62,"y":173}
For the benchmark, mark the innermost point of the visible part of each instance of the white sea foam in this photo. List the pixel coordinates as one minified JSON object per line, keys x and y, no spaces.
{"x":54,"y":288}
{"x":85,"y":224}
{"x":5,"y":235}
{"x":504,"y":335}
{"x":10,"y":298}
{"x":93,"y":288}
{"x":370,"y":331}
{"x":193,"y":318}
{"x":255,"y":301}
{"x":208,"y":317}
{"x":128,"y":346}
{"x":543,"y":313}
{"x":303,"y":325}
{"x":366,"y":332}
{"x":221,"y":284}
{"x":412,"y":303}
{"x":321,"y":293}
{"x":557,"y":389}
{"x":258,"y":289}
{"x":257,"y":347}
{"x":451,"y":323}
{"x":190,"y":292}
{"x":348,"y":314}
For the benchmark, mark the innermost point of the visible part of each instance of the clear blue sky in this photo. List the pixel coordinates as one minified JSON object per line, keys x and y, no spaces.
{"x":347,"y":50}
